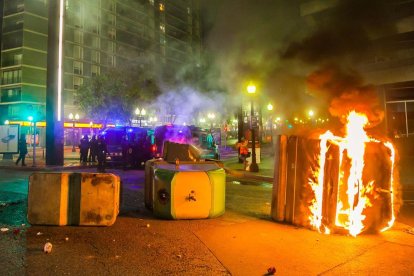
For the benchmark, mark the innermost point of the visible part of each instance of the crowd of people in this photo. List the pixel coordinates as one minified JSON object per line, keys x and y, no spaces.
{"x":93,"y":150}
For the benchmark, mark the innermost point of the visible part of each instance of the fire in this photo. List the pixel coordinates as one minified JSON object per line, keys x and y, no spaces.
{"x":354,"y":193}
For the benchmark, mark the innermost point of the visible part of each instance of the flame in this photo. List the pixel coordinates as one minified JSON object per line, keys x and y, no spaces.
{"x":353,"y":193}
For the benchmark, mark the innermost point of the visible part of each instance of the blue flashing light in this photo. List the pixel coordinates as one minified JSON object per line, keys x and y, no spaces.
{"x":129,"y":130}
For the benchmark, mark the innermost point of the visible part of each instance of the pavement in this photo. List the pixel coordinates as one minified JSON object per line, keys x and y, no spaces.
{"x":244,"y":241}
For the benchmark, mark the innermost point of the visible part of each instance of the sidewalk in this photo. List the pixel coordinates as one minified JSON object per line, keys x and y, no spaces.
{"x":265,"y":164}
{"x":71,"y":161}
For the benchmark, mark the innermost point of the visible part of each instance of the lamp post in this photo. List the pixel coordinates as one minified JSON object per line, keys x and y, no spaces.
{"x":140,"y":113}
{"x":73,"y":118}
{"x":211,"y":116}
{"x":251,"y":89}
{"x":270,"y":109}
{"x":153,"y":121}
{"x":91,"y":127}
{"x":32,"y":120}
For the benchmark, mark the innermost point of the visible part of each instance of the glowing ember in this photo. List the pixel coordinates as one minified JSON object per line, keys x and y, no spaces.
{"x":354,"y":193}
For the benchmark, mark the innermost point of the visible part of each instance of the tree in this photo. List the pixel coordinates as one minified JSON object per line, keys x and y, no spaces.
{"x":114,"y":95}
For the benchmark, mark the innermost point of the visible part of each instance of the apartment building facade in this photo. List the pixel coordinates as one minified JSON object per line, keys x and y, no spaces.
{"x":160,"y":35}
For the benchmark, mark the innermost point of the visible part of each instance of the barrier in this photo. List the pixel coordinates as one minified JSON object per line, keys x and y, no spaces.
{"x":88,"y":199}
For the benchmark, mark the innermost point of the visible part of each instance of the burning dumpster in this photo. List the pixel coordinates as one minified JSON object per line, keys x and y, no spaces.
{"x":336,"y":184}
{"x":181,"y":186}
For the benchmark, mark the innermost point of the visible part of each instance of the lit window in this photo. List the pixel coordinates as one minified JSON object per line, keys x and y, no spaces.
{"x":95,"y":42}
{"x":162,"y":28}
{"x":95,"y":70}
{"x":162,"y":7}
{"x":18,"y":59}
{"x":77,"y":67}
{"x":77,"y":52}
{"x":111,"y":33}
{"x":77,"y":82}
{"x":95,"y":56}
{"x":77,"y":36}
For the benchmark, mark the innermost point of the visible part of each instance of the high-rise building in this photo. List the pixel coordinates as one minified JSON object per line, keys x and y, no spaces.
{"x":162,"y":35}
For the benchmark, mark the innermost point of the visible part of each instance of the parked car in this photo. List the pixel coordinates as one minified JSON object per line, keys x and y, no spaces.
{"x":129,"y":146}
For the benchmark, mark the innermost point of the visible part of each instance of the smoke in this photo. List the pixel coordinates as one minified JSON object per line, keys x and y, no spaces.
{"x":187,"y":105}
{"x":246,"y":39}
{"x":345,"y":33}
{"x":345,"y":91}
{"x":286,"y":46}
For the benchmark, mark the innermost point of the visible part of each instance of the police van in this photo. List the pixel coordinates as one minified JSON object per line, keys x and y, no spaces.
{"x":129,"y":146}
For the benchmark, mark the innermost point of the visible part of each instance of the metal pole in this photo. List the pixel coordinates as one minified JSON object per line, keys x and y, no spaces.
{"x":34,"y":143}
{"x":73,"y":136}
{"x":54,"y":106}
{"x":253,"y":166}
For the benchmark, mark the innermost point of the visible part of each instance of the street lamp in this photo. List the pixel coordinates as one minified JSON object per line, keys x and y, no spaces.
{"x":140,"y":113}
{"x":31,"y":119}
{"x":153,"y":120}
{"x":211,"y":116}
{"x":91,"y":127}
{"x":270,"y":108}
{"x":251,"y":89}
{"x":73,"y":118}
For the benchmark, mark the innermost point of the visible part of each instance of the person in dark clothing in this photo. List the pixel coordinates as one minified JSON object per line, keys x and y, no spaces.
{"x":93,"y":149}
{"x":84,"y":148}
{"x":126,"y":152}
{"x":22,"y":150}
{"x":102,"y":150}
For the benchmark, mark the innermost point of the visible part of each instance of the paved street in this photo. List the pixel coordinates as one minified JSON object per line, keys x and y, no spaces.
{"x":244,"y":241}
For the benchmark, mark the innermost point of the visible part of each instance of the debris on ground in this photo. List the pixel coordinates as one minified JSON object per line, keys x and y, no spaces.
{"x":410,"y":230}
{"x":66,"y":239}
{"x":148,"y":225}
{"x":236,"y":182}
{"x":39,"y":233}
{"x":47,"y":248}
{"x":4,"y":229}
{"x":271,"y":271}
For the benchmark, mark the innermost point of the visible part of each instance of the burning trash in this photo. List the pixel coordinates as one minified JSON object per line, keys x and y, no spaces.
{"x":337,"y":184}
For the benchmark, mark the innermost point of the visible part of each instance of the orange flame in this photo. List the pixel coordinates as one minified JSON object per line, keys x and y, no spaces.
{"x":352,"y":195}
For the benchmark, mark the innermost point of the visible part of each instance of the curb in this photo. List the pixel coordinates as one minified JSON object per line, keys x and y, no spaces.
{"x":248,"y":175}
{"x":44,"y":168}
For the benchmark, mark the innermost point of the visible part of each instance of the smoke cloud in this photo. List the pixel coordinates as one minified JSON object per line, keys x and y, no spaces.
{"x":297,"y":51}
{"x":187,"y":105}
{"x":345,"y":91}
